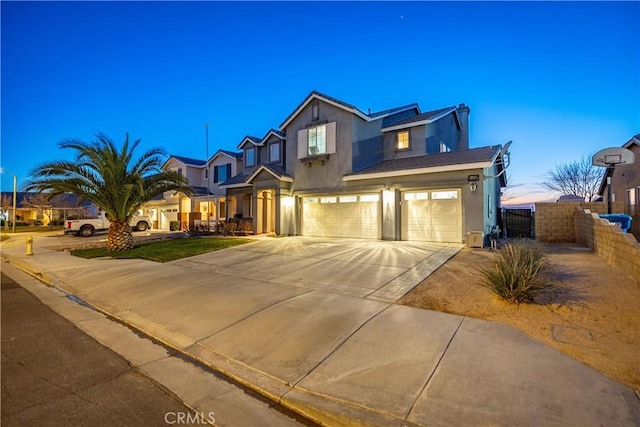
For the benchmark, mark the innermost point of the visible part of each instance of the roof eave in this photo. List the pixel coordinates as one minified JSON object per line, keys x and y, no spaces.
{"x":418,"y":171}
{"x":313,"y":96}
{"x":264,"y":168}
{"x":242,"y":184}
{"x":406,"y":125}
{"x":245,"y":140}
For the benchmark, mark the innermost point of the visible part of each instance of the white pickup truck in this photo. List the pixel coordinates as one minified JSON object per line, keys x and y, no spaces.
{"x":86,"y":227}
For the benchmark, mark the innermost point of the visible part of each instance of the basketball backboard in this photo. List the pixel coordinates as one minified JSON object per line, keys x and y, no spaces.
{"x":613,"y":156}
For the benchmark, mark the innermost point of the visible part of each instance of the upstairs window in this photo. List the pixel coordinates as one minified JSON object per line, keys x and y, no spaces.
{"x":250,"y":157}
{"x":179,"y":171}
{"x":402,"y":141}
{"x":317,"y":140}
{"x":221,"y":173}
{"x":315,"y":111}
{"x":444,"y":148}
{"x":274,"y":152}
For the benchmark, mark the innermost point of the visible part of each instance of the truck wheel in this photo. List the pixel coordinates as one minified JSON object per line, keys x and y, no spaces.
{"x":86,"y":231}
{"x":142,"y":226}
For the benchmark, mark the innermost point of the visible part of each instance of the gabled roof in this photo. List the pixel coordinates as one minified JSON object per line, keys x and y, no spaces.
{"x":421,"y":119}
{"x":251,"y":139}
{"x":189,"y":161}
{"x":274,"y":169}
{"x":473,"y":158}
{"x":275,"y":133}
{"x":343,"y":105}
{"x":635,"y":139}
{"x":394,"y":110}
{"x":232,"y":154}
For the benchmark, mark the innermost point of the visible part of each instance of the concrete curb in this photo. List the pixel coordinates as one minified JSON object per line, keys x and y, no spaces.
{"x":320,"y":409}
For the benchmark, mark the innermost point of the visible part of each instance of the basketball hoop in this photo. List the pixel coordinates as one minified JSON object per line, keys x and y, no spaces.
{"x":610,"y":158}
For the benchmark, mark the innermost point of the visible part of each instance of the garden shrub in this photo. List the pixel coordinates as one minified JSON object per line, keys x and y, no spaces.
{"x":174,"y":225}
{"x":517,"y":273}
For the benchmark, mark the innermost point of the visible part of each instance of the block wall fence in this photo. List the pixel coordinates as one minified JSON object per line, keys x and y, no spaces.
{"x":580,"y":223}
{"x":555,"y":221}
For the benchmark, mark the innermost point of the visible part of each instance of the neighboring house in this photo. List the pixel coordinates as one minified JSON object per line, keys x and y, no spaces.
{"x":34,"y":208}
{"x":625,"y":179}
{"x":209,"y":199}
{"x":172,"y":206}
{"x":257,"y":191}
{"x":333,"y":170}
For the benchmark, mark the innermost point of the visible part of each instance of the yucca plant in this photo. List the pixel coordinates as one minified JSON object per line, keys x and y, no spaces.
{"x":517,"y":273}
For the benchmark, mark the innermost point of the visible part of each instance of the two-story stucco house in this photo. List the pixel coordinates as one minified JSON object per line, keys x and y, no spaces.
{"x":333,"y":170}
{"x":208,"y":201}
{"x":398,"y":174}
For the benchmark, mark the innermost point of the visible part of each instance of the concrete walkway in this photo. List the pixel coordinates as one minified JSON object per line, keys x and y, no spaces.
{"x":336,"y":357}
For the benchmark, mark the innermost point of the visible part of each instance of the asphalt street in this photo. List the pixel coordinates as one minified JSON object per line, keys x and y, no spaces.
{"x":55,"y":374}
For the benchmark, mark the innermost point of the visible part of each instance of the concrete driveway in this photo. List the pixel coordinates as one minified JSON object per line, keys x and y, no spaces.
{"x":374,"y":269}
{"x":335,"y":358}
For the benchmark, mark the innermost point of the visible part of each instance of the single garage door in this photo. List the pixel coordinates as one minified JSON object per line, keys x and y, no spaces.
{"x":342,"y":216}
{"x":432,"y":216}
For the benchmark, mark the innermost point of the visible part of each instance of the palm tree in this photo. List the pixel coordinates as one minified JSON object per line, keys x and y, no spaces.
{"x":107,"y":177}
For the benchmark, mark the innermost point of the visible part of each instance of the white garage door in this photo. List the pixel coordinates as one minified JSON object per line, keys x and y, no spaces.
{"x":167,"y":214}
{"x":342,"y":216}
{"x":432,"y":216}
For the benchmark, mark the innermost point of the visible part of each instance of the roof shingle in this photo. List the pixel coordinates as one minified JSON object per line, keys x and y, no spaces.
{"x":473,"y":155}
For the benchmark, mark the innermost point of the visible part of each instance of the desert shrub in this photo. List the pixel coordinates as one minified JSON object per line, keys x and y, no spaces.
{"x":517,"y":273}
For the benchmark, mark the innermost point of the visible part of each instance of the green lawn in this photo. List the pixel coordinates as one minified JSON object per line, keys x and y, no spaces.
{"x":167,"y":250}
{"x":32,"y":228}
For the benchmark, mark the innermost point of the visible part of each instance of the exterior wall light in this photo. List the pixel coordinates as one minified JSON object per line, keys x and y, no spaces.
{"x":473,"y":182}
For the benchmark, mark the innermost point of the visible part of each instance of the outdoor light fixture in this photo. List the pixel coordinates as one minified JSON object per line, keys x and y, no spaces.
{"x":473,"y":182}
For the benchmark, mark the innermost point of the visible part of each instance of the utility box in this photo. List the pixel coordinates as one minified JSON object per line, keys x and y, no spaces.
{"x":475,"y":239}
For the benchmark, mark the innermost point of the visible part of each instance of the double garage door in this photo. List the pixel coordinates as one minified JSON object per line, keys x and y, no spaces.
{"x":431,"y":216}
{"x":342,"y":216}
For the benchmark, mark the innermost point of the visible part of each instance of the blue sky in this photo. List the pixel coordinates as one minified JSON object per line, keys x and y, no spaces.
{"x":562,"y":80}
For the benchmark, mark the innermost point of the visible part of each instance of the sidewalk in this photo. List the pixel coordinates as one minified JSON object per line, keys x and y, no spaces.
{"x":337,"y":359}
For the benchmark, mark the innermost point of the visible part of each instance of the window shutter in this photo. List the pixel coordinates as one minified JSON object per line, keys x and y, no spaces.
{"x":228,"y":171}
{"x":331,"y":137}
{"x":215,"y":174}
{"x":302,"y":143}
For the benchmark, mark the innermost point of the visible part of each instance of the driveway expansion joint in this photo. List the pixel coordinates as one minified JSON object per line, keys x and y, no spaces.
{"x":435,"y":368}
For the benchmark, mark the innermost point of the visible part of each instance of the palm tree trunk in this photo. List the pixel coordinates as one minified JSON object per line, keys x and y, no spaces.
{"x":119,"y":237}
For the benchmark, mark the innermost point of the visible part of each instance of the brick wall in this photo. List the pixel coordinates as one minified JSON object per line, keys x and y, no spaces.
{"x":555,"y":222}
{"x":617,"y":248}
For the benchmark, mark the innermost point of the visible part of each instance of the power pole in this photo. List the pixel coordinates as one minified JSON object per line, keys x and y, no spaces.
{"x":206,"y":129}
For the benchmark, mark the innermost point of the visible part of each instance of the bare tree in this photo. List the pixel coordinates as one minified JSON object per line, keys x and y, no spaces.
{"x":578,"y":178}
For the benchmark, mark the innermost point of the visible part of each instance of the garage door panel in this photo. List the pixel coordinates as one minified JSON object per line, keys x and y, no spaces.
{"x":425,"y":218}
{"x":348,"y":217}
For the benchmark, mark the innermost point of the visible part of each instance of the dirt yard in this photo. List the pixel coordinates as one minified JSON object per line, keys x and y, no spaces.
{"x":592,"y":312}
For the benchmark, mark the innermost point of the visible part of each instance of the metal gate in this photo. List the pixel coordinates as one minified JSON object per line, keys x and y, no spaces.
{"x":518,"y":223}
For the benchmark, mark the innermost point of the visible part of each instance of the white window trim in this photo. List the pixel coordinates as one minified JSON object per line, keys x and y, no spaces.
{"x":253,"y":150}
{"x":408,"y":147}
{"x":271,"y":147}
